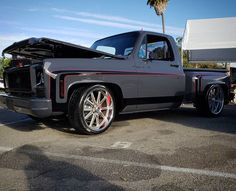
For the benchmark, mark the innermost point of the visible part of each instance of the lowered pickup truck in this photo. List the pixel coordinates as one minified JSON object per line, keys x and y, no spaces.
{"x":131,"y":72}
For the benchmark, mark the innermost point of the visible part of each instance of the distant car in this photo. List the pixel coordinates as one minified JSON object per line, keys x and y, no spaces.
{"x":131,"y":72}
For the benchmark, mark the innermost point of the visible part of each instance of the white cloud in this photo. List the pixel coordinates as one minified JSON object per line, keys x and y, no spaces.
{"x":117,"y":19}
{"x":65,"y":31}
{"x":110,"y":21}
{"x":37,"y":9}
{"x":106,"y":23}
{"x":107,"y":17}
{"x":114,"y":21}
{"x":62,"y":10}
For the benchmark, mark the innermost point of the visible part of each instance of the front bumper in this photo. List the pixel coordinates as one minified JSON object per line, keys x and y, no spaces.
{"x":38,"y":107}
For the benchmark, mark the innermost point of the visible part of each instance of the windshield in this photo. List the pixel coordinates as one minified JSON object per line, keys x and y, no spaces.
{"x":121,"y":45}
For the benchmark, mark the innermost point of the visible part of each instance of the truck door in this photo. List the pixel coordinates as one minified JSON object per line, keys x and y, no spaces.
{"x":162,"y":80}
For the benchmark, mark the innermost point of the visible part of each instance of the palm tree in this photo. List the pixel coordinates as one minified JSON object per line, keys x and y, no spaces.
{"x":160,"y":7}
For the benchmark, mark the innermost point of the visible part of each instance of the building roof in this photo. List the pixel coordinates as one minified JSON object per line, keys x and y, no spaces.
{"x":211,"y":39}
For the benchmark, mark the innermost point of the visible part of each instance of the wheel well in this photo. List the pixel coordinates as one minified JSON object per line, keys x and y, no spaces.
{"x":226,"y":92}
{"x":116,"y":90}
{"x":225,"y":89}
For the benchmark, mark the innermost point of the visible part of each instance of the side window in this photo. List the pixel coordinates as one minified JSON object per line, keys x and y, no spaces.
{"x":142,"y":53}
{"x":156,"y":48}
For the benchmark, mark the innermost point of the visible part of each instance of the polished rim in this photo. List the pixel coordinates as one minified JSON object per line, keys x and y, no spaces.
{"x":98,"y":109}
{"x":216,"y":99}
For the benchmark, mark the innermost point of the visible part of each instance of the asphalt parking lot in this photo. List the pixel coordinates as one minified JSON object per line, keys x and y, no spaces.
{"x":171,"y":150}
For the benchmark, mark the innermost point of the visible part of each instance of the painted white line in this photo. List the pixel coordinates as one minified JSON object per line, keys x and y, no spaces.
{"x":122,"y":145}
{"x":128,"y":163}
{"x":5,"y":149}
{"x":137,"y":164}
{"x":19,"y":121}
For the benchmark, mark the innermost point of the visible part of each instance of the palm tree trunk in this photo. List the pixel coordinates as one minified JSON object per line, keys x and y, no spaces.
{"x":163,"y":23}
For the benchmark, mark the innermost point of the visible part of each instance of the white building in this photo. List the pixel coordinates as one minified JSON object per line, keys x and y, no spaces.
{"x":211,"y":40}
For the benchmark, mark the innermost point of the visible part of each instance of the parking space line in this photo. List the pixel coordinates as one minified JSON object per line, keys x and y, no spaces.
{"x":129,"y":163}
{"x":5,"y":149}
{"x":19,"y":121}
{"x":137,"y":164}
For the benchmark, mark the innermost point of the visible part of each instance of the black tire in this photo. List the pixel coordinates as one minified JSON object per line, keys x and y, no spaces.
{"x":81,"y":108}
{"x":212,"y":102}
{"x":199,"y":104}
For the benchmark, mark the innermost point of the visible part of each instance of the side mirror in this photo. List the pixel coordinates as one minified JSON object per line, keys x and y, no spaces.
{"x":150,"y":56}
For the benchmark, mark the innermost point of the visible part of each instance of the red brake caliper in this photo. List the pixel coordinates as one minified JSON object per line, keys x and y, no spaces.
{"x":109,"y":100}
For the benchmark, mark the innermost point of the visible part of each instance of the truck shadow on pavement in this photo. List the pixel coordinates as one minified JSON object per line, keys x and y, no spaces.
{"x":53,"y":171}
{"x":12,"y":119}
{"x":189,"y":117}
{"x":186,"y":116}
{"x":44,"y":173}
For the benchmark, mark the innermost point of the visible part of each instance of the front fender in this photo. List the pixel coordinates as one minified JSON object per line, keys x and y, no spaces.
{"x":64,"y":82}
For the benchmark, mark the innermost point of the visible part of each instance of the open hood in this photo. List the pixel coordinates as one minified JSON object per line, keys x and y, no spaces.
{"x":41,"y":48}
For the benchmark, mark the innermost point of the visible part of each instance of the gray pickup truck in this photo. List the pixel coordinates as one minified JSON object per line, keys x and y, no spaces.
{"x":131,"y":72}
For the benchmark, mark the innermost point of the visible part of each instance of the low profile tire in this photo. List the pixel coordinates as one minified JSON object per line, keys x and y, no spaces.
{"x":212,"y":104}
{"x":91,"y":110}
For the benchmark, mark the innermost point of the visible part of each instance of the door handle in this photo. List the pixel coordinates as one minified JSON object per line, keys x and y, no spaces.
{"x":174,"y":65}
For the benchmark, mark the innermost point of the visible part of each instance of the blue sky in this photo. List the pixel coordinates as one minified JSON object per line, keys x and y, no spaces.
{"x":82,"y":22}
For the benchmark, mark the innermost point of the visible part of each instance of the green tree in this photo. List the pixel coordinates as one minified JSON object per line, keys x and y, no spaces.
{"x":4,"y":62}
{"x":160,"y":7}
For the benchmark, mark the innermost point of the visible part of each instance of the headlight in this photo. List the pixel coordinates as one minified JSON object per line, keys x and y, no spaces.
{"x":39,"y":77}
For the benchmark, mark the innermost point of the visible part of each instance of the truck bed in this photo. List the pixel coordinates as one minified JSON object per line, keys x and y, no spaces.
{"x":197,"y":79}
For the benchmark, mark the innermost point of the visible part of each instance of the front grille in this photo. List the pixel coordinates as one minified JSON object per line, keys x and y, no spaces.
{"x":18,"y":80}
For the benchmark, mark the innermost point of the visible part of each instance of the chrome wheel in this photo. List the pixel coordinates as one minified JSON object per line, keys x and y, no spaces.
{"x":215,"y":99}
{"x":98,"y":109}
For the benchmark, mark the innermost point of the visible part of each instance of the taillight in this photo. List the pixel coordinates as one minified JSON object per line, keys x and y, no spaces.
{"x":39,"y":77}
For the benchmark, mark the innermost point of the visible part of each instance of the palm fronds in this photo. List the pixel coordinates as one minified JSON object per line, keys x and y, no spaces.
{"x":158,"y":5}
